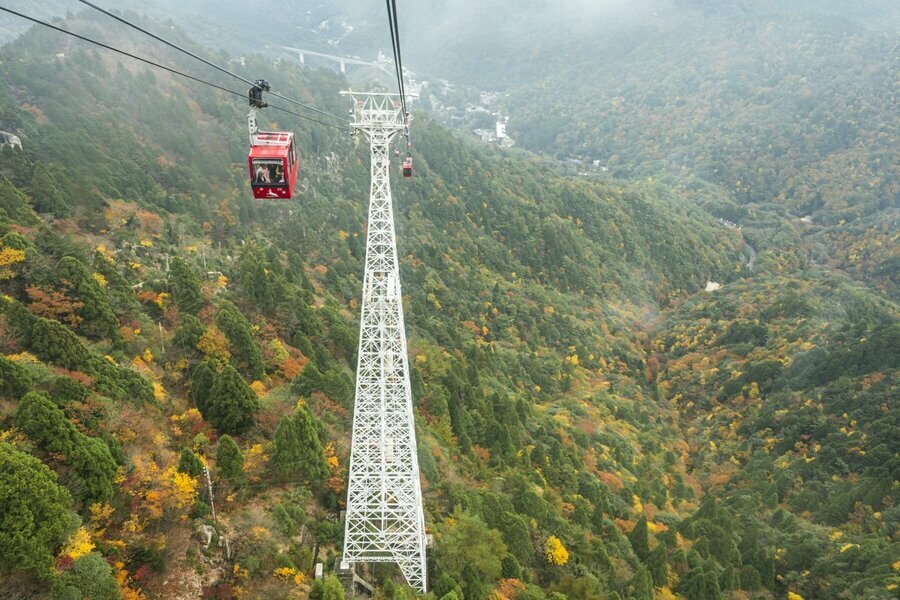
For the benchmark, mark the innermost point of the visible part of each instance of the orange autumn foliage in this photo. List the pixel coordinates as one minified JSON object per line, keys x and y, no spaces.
{"x":52,"y":304}
{"x":510,"y":588}
{"x":624,"y":525}
{"x":611,"y":480}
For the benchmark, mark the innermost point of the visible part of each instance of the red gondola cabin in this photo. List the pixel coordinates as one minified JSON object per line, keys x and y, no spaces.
{"x":407,"y":167}
{"x":273,"y":165}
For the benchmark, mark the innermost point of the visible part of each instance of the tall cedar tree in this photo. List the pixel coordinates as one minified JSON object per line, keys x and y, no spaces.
{"x":658,"y":566}
{"x":700,"y":584}
{"x":641,"y":584}
{"x":256,"y":278}
{"x":202,"y":380}
{"x":119,"y":291}
{"x":35,"y":513}
{"x":46,"y":424}
{"x":188,"y":334}
{"x":190,"y":463}
{"x":638,"y":538}
{"x":185,"y":287}
{"x":231,"y":402}
{"x":245,"y":351}
{"x":298,"y":450}
{"x":229,"y":459}
{"x":45,"y":193}
{"x":14,"y":379}
{"x":99,"y":318}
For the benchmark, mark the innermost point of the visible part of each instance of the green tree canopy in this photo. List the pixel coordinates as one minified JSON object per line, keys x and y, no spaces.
{"x":298,"y":451}
{"x":639,"y":540}
{"x":98,"y":315}
{"x":245,"y":351}
{"x":256,"y":278}
{"x":45,"y":193}
{"x":190,"y":463}
{"x":229,"y":459}
{"x":185,"y":287}
{"x":14,"y":379}
{"x":35,"y":513}
{"x":47,"y":425}
{"x":466,"y":541}
{"x":231,"y":403}
{"x":90,"y":578}
{"x":188,"y":334}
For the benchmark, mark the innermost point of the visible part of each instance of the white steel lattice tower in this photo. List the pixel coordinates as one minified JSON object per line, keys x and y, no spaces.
{"x":384,"y":522}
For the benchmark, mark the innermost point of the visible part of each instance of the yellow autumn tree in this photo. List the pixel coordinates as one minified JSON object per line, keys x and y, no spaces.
{"x":555,"y":551}
{"x":181,"y":487}
{"x":79,"y":544}
{"x":214,"y":345}
{"x":9,"y":258}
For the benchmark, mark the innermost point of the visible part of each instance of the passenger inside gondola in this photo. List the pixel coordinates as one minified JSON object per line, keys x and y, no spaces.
{"x":262,"y":174}
{"x":268,"y":171}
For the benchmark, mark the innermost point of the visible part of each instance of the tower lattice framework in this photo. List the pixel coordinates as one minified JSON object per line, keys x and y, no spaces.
{"x":384,"y":519}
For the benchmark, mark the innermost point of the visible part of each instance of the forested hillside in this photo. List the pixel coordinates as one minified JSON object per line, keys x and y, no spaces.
{"x":591,"y":424}
{"x":795,"y":110}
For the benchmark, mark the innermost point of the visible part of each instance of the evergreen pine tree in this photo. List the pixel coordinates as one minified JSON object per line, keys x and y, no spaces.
{"x":601,"y":556}
{"x":35,"y":513}
{"x":202,"y":380}
{"x":308,"y":381}
{"x":185,"y":287}
{"x":298,"y":451}
{"x":472,"y":583}
{"x":231,"y":402}
{"x":444,"y":585}
{"x":750,"y":579}
{"x":188,"y":334}
{"x":229,"y":459}
{"x":190,"y":463}
{"x":728,"y":579}
{"x":641,"y":584}
{"x":245,"y":351}
{"x":45,"y":193}
{"x":711,"y":589}
{"x":766,"y":569}
{"x":658,"y":566}
{"x":14,"y":379}
{"x":256,"y":278}
{"x":94,"y":468}
{"x":510,"y":568}
{"x":639,"y":540}
{"x":99,"y":318}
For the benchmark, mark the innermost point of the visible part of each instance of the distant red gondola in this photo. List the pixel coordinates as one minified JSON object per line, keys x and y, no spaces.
{"x":273,"y":158}
{"x":407,"y":167}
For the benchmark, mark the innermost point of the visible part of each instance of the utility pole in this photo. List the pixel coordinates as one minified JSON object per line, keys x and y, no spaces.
{"x":385,"y":521}
{"x":212,"y":504}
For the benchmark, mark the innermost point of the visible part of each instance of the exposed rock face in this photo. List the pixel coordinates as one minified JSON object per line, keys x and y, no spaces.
{"x":10,"y":139}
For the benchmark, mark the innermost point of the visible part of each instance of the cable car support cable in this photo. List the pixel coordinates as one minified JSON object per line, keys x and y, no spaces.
{"x":203,"y":60}
{"x":395,"y":46}
{"x":398,"y":64}
{"x":158,"y":65}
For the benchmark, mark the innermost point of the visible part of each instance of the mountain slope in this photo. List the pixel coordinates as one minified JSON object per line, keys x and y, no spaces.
{"x":151,"y":308}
